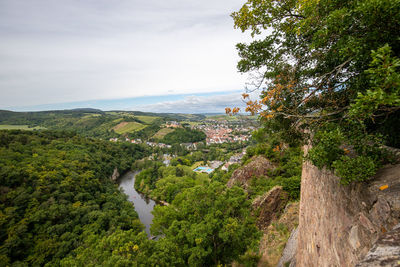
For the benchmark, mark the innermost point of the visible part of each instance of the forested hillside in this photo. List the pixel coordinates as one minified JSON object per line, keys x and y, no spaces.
{"x":183,"y":135}
{"x":93,"y":122}
{"x":56,"y":193}
{"x":58,"y":206}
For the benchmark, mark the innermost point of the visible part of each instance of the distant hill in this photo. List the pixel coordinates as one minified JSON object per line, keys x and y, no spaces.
{"x":93,"y":122}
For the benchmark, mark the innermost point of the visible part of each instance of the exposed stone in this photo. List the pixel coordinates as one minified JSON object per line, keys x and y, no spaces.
{"x":390,"y":176}
{"x":380,"y":212}
{"x":115,"y":175}
{"x":366,"y":223}
{"x":385,"y":252}
{"x":259,"y":166}
{"x":353,"y":237}
{"x":339,"y":224}
{"x":277,"y":234}
{"x":289,"y":253}
{"x":269,"y":206}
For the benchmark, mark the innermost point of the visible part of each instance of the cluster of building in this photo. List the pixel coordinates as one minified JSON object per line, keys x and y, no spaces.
{"x":161,"y":145}
{"x":133,"y":141}
{"x":216,"y":163}
{"x":235,"y":159}
{"x":139,"y":141}
{"x":172,"y":124}
{"x":219,"y":133}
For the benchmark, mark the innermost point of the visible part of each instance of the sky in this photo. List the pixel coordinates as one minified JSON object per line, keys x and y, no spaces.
{"x":153,"y":55}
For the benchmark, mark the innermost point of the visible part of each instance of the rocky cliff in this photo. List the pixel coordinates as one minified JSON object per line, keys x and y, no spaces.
{"x":258,"y":166}
{"x":338,"y":225}
{"x":270,"y":206}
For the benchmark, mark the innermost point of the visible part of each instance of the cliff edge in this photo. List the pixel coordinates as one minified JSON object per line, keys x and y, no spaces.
{"x":338,"y":225}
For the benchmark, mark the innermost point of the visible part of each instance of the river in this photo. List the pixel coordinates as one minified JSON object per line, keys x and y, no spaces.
{"x":143,"y":206}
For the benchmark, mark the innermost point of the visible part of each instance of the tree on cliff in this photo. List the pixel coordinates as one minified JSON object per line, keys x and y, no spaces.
{"x":325,"y":65}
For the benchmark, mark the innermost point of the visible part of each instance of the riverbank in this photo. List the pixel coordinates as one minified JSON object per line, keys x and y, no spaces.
{"x":143,"y":205}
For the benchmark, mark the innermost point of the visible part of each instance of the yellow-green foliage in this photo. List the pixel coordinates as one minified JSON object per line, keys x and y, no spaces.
{"x":163,"y":132}
{"x":147,"y":119}
{"x":223,"y":117}
{"x":19,"y":127}
{"x":128,"y":127}
{"x":59,"y":195}
{"x":164,"y":183}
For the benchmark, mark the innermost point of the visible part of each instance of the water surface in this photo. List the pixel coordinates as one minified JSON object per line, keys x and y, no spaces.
{"x":143,"y":205}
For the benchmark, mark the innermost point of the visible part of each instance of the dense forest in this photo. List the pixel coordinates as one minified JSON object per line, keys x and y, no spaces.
{"x":58,"y":206}
{"x":56,"y":193}
{"x":184,"y":135}
{"x":164,"y":183}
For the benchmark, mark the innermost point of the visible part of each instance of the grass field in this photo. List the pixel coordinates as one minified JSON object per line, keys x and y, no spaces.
{"x":128,"y":127}
{"x":222,"y":118}
{"x":230,"y":118}
{"x":19,"y":127}
{"x":147,"y":119}
{"x":89,"y":115}
{"x":161,"y":133}
{"x":192,"y":123}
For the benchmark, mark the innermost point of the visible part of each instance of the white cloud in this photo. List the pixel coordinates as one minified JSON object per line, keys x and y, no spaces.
{"x":61,"y":51}
{"x":198,"y":104}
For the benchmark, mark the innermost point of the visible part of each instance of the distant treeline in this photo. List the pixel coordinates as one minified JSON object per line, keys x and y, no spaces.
{"x":92,"y":122}
{"x":184,"y":135}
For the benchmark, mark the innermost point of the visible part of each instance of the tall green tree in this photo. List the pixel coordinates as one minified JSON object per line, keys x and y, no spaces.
{"x":324,"y":65}
{"x":312,"y":56}
{"x":56,"y":193}
{"x":209,"y":224}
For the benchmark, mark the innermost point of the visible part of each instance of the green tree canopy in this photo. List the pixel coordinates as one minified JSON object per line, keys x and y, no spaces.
{"x":313,"y":58}
{"x":183,"y":135}
{"x":209,"y":224}
{"x":330,"y":66}
{"x":56,"y":193}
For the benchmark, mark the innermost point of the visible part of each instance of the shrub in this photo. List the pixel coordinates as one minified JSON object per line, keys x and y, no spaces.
{"x":354,"y":169}
{"x":326,"y":148}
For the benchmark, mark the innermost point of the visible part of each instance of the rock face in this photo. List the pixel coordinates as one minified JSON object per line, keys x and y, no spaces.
{"x":385,"y":252}
{"x":270,"y":206}
{"x":259,"y":166}
{"x":115,"y":175}
{"x":289,"y":253}
{"x":277,"y":234}
{"x":339,"y":224}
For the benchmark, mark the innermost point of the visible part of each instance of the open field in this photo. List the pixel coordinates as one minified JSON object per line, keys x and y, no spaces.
{"x":127,"y":127}
{"x":19,"y":127}
{"x":230,"y":118}
{"x":191,"y":123}
{"x":89,"y":115}
{"x":222,"y":118}
{"x":147,"y":119}
{"x":161,"y":133}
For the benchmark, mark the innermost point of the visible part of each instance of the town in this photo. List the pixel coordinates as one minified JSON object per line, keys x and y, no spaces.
{"x":218,"y":132}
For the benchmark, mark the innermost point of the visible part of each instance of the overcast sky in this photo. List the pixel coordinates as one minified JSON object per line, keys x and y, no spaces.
{"x":77,"y":50}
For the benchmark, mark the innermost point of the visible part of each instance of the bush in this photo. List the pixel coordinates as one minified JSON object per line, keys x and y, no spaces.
{"x":357,"y":169}
{"x":367,"y":158}
{"x":326,"y":148}
{"x":292,"y":186}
